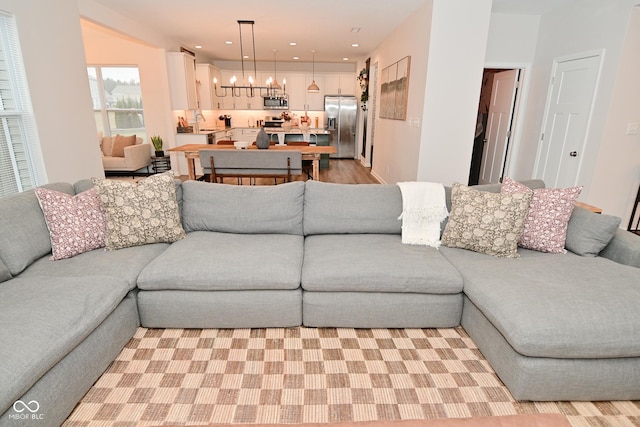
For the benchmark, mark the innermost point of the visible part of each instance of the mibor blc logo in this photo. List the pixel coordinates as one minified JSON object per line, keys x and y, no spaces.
{"x":26,"y":411}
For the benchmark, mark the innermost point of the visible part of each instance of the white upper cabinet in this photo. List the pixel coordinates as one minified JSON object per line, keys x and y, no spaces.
{"x":182,"y":80}
{"x":339,"y":84}
{"x":205,"y":73}
{"x":296,"y":91}
{"x":315,"y":100}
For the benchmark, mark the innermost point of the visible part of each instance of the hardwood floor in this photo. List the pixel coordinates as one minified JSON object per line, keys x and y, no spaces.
{"x":342,"y":171}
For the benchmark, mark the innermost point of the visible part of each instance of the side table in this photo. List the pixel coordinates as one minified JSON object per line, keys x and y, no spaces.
{"x":160,"y":164}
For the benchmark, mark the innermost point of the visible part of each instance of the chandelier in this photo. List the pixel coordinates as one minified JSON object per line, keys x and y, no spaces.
{"x":271,"y":89}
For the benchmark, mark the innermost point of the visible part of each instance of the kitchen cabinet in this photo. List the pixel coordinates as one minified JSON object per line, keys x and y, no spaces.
{"x":181,"y":69}
{"x":339,"y":84}
{"x":296,"y":91}
{"x":207,"y":98}
{"x":245,"y":134}
{"x":315,"y":100}
{"x":299,"y":98}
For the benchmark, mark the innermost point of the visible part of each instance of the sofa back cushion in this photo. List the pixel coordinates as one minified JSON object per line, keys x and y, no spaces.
{"x":348,"y":208}
{"x":5,"y":274}
{"x":242,"y":209}
{"x":495,"y":188}
{"x":24,"y":236}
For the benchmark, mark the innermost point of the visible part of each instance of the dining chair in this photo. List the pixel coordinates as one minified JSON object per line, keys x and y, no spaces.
{"x":307,"y":165}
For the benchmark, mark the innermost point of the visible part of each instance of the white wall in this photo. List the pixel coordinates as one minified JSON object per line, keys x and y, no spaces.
{"x":512,"y":44}
{"x":53,"y":54}
{"x":454,"y":76}
{"x":616,"y":175}
{"x":583,"y":26}
{"x":512,"y":39}
{"x":397,"y":146}
{"x":104,"y":47}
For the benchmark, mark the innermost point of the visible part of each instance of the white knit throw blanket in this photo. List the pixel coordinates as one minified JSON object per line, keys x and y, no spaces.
{"x":423,"y":209}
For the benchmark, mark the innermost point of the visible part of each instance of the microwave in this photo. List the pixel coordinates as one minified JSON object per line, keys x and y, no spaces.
{"x":276,"y":102}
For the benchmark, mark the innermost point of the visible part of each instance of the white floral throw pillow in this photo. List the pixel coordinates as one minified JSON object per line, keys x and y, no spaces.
{"x":140,"y":213}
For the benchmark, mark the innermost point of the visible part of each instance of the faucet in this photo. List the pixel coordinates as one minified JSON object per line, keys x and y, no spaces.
{"x":198,"y":115}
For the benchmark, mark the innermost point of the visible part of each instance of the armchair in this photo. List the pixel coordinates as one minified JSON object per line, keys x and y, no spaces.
{"x":136,"y":157}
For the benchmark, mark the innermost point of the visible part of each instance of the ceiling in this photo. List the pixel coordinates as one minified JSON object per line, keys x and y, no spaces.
{"x":326,"y":27}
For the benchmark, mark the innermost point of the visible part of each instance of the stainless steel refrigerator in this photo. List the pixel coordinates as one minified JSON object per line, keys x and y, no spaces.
{"x":341,"y":114}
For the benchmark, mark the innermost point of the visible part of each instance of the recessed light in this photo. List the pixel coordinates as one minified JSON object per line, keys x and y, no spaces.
{"x":345,"y":59}
{"x":228,"y":42}
{"x":293,"y":44}
{"x":246,"y":56}
{"x":355,"y":45}
{"x":198,"y":46}
{"x":355,"y":29}
{"x":296,"y":57}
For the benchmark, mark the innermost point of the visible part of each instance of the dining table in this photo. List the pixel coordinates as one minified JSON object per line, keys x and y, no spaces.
{"x":309,"y":152}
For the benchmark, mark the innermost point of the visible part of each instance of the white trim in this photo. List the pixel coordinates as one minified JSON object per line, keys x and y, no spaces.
{"x":510,"y":168}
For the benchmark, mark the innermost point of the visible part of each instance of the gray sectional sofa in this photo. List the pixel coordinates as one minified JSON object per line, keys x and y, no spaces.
{"x":554,"y":327}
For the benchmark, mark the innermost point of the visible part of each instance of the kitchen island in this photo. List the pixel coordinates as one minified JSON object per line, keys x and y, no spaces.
{"x":211,"y":135}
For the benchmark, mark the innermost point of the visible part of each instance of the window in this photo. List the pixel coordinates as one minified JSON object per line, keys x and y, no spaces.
{"x":117,"y":100}
{"x":21,"y":163}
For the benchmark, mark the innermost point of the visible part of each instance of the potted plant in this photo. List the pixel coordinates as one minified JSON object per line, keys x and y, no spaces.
{"x":157,"y":145}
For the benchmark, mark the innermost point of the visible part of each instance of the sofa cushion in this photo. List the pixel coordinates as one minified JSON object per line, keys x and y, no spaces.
{"x":545,"y":226}
{"x":19,"y":213}
{"x":5,"y":274}
{"x":124,"y":264}
{"x":346,"y":208}
{"x":588,"y":233}
{"x":85,"y":184}
{"x":206,"y":260}
{"x":76,"y":223}
{"x":375,"y":263}
{"x":556,"y":305}
{"x":140,"y":213}
{"x":485,"y":222}
{"x":119,"y":142}
{"x":43,"y":319}
{"x":243,"y":209}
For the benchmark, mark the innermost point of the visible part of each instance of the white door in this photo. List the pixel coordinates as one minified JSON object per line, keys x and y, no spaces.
{"x":569,"y":107}
{"x":499,"y":119}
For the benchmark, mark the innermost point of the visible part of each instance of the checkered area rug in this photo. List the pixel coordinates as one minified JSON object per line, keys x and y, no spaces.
{"x":305,"y":375}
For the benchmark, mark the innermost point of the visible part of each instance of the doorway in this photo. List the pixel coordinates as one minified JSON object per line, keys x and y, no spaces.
{"x":495,"y":125}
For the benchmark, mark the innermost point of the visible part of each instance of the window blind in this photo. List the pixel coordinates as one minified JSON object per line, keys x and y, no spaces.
{"x":21,"y":163}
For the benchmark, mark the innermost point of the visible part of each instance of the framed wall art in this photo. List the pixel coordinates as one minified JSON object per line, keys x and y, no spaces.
{"x":395,"y":90}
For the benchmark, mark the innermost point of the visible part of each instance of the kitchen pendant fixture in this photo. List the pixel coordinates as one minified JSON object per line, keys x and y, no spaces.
{"x":275,"y":84}
{"x":234,"y":90}
{"x":313,"y":87}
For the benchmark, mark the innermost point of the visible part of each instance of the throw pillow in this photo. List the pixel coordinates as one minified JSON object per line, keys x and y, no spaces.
{"x":106,"y":145}
{"x":589,"y":233}
{"x":140,"y":213}
{"x":545,"y":227}
{"x":489,"y":223}
{"x":76,"y":223}
{"x":119,"y":142}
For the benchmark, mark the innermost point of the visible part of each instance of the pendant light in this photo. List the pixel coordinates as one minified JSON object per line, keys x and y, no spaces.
{"x":313,"y":87}
{"x":275,"y":84}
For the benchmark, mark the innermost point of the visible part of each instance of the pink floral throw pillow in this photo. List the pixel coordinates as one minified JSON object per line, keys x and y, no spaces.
{"x":76,"y":223}
{"x":545,"y":226}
